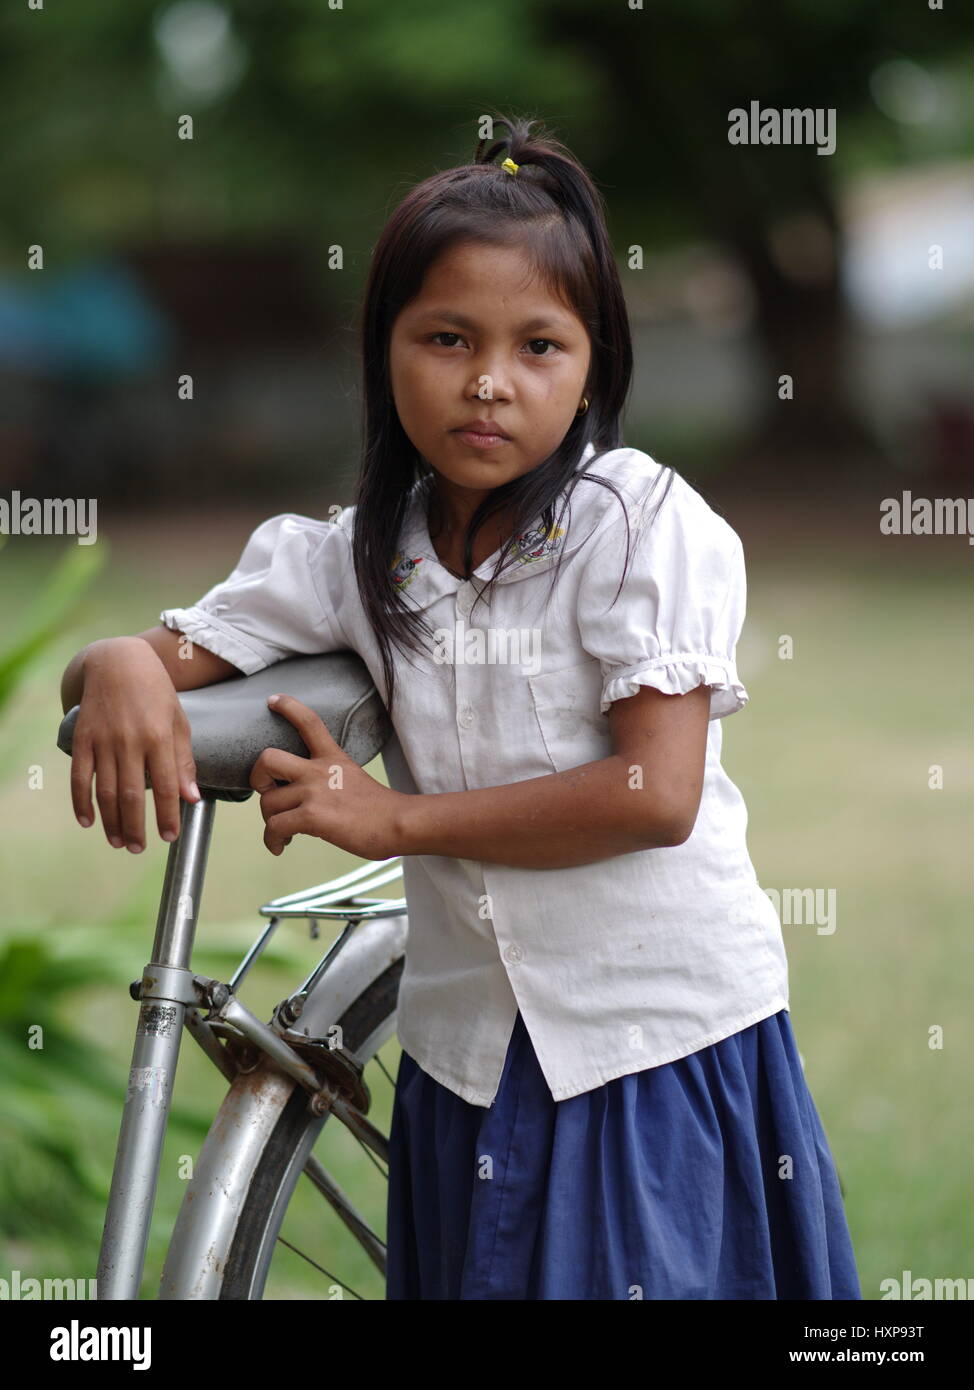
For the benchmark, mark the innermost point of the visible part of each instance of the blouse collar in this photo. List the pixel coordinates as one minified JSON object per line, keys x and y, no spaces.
{"x":417,"y":568}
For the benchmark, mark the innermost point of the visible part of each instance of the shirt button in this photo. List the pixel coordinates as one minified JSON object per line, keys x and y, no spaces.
{"x":465,"y":716}
{"x":513,"y":954}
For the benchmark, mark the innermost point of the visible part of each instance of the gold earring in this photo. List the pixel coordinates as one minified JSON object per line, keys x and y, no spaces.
{"x":583,"y":407}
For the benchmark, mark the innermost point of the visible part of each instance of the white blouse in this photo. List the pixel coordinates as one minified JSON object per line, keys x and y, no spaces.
{"x":618,"y":965}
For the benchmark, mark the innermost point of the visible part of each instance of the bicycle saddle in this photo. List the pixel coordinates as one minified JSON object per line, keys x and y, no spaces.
{"x":232,"y":724}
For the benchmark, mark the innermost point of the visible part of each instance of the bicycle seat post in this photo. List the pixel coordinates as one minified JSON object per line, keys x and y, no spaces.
{"x":166,"y":991}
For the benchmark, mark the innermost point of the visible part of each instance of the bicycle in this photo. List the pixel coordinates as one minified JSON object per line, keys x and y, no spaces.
{"x":287,"y":1076}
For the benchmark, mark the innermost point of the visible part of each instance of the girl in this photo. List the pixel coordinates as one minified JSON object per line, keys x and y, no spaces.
{"x":600,"y":1094}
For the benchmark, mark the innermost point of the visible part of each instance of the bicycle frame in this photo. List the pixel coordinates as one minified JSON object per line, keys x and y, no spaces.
{"x":170,"y":998}
{"x":166,"y":992}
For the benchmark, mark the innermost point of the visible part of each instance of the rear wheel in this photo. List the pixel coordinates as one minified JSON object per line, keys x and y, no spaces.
{"x":264,"y":1249}
{"x":249,"y":1227}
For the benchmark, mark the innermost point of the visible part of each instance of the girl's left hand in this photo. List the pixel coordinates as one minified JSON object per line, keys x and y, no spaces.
{"x":327,"y":795}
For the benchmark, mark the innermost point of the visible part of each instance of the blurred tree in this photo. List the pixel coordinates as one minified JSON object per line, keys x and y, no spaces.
{"x":679,"y":67}
{"x":314,"y":119}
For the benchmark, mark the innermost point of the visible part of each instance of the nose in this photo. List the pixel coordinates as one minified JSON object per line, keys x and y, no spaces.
{"x":489,"y":380}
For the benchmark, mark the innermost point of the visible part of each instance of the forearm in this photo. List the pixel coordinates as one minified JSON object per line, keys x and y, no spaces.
{"x":554,"y":822}
{"x":73,"y":680}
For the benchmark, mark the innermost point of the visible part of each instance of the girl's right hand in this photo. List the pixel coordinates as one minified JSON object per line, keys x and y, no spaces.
{"x":130,"y":720}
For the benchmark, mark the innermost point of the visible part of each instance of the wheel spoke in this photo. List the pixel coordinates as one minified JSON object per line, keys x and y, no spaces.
{"x":327,"y":1273}
{"x":365,"y":1147}
{"x":389,"y":1077}
{"x":320,"y":1177}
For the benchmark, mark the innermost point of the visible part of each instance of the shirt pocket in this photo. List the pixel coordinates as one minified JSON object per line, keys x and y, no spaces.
{"x":567,"y":708}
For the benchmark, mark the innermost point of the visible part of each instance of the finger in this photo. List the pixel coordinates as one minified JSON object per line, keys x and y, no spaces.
{"x":279,"y":799}
{"x":106,"y":794}
{"x":186,"y":766}
{"x":308,"y":724}
{"x":274,"y":765}
{"x":82,"y":771}
{"x":281,"y":829}
{"x":164,"y":776}
{"x":130,"y":763}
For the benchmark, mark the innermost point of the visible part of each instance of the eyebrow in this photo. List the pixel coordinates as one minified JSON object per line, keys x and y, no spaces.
{"x":529,"y":326}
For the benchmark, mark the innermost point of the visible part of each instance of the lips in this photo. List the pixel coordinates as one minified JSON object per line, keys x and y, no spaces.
{"x":482,"y":427}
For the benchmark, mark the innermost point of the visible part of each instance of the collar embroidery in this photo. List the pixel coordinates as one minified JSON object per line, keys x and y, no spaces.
{"x":403,"y":570}
{"x":537,"y":542}
{"x":530,"y":546}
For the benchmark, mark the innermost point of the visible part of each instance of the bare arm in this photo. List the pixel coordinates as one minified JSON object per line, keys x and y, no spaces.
{"x":190,"y":672}
{"x":644,"y":796}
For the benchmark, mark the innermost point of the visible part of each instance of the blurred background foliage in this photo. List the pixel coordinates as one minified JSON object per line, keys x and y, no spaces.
{"x":216,"y":257}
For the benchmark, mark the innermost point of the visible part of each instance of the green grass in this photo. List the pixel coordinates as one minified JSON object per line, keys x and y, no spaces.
{"x":832,"y":757}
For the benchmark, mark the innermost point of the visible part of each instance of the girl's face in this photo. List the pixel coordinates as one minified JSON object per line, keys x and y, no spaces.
{"x":485,"y":340}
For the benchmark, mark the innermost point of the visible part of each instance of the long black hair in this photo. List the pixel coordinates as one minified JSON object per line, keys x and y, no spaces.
{"x":553,"y":210}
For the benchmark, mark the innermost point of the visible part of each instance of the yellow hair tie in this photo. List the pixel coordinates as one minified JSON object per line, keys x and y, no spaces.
{"x":510,"y":166}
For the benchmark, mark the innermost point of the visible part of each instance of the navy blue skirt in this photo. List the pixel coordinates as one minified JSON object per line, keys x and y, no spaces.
{"x":707,"y":1177}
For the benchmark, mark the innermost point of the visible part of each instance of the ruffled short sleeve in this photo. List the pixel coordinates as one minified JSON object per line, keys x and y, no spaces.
{"x":676,"y":622}
{"x":282,"y":599}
